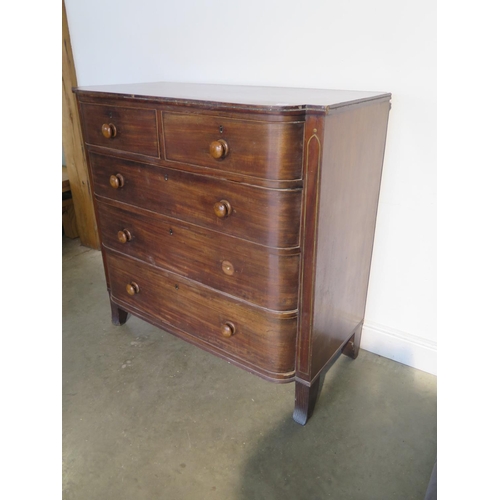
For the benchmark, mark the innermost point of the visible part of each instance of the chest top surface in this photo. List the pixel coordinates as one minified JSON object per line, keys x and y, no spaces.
{"x":280,"y":98}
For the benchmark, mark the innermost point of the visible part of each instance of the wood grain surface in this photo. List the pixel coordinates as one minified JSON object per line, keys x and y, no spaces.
{"x":269,"y":150}
{"x":244,"y":224}
{"x":265,"y":216}
{"x":72,"y":141}
{"x":262,"y":338}
{"x":264,"y":276}
{"x":136,"y":129}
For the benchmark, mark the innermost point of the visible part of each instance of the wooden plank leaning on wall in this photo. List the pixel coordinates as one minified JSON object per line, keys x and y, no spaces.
{"x":73,"y":147}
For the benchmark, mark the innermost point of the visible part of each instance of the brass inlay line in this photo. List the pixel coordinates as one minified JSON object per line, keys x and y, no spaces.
{"x":314,"y":136}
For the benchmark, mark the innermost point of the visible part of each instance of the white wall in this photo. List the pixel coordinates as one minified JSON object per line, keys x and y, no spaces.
{"x":388,"y":45}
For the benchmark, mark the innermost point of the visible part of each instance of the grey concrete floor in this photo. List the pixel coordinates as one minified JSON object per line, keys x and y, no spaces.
{"x":148,"y":416}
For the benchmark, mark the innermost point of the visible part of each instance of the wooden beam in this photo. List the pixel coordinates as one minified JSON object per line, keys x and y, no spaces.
{"x":65,"y":180}
{"x":74,"y":153}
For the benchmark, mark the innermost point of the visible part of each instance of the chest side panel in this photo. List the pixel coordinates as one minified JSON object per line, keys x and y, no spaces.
{"x":351,"y":170}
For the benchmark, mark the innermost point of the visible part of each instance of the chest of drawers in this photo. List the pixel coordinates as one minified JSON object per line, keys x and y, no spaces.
{"x":240,"y":219}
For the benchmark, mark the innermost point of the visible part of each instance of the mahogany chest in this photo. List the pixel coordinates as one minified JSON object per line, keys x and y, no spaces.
{"x":240,"y":219}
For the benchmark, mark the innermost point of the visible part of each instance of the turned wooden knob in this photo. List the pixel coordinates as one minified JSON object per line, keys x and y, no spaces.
{"x":222,"y":209}
{"x":124,"y":236}
{"x":219,"y":149}
{"x":117,"y":181}
{"x":228,"y":329}
{"x":132,"y":288}
{"x":108,"y":130}
{"x":227,"y":268}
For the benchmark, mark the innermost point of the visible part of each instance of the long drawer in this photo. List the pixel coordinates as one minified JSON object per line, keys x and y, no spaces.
{"x":265,"y":276}
{"x":263,"y":149}
{"x":270,"y":217}
{"x":263,"y":339}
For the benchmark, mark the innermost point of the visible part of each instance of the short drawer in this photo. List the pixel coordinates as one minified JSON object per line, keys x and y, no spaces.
{"x":255,"y":336}
{"x":127,"y":129}
{"x":270,"y":217}
{"x":267,"y":150}
{"x":266,"y":277}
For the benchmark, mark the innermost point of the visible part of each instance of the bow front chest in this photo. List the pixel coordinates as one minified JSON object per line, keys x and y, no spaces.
{"x":240,"y":219}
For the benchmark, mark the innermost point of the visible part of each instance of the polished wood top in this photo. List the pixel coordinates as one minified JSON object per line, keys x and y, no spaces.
{"x":280,"y":98}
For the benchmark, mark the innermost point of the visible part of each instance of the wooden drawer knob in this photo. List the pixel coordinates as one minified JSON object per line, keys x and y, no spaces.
{"x":124,"y":236}
{"x":227,"y":268}
{"x":222,"y":209}
{"x":108,"y":130}
{"x":219,"y":149}
{"x":132,"y":288}
{"x":117,"y":181}
{"x":228,"y":329}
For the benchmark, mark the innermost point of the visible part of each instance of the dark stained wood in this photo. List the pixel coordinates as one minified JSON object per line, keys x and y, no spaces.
{"x":118,"y":315}
{"x":262,"y":338}
{"x":229,"y":175}
{"x":305,"y":400}
{"x":270,"y":150}
{"x":236,"y":97}
{"x":312,"y":162}
{"x":281,"y":114}
{"x":126,"y":129}
{"x":350,"y":181}
{"x":264,"y":276}
{"x":268,"y":217}
{"x":351,"y":348}
{"x":196,"y":169}
{"x":243,"y":224}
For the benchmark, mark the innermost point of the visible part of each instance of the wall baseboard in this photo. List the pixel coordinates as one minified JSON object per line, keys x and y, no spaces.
{"x":400,"y":346}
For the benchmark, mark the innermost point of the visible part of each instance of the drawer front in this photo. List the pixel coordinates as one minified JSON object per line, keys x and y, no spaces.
{"x":270,"y":217}
{"x":248,"y":271}
{"x":268,"y":150}
{"x":263,"y":339}
{"x":126,"y":129}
